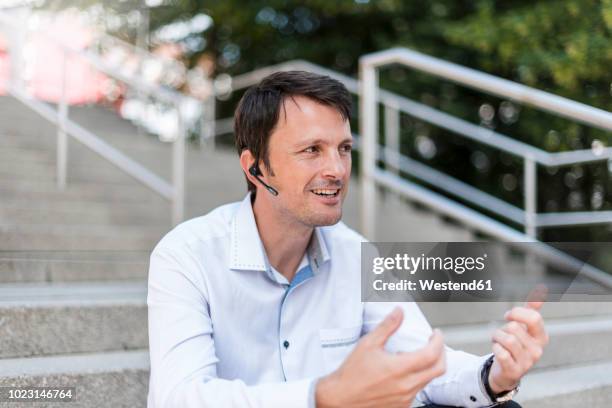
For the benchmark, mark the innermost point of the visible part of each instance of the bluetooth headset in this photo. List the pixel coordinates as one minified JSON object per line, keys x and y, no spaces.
{"x":255,"y":172}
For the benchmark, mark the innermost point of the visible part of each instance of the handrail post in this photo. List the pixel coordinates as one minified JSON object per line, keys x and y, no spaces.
{"x":533,"y":264}
{"x":208,"y":118}
{"x":62,"y":137}
{"x":368,"y":124}
{"x":392,"y":137}
{"x":530,"y":196}
{"x":178,"y":169}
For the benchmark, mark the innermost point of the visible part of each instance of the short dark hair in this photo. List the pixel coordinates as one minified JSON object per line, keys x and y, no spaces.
{"x":258,"y":111}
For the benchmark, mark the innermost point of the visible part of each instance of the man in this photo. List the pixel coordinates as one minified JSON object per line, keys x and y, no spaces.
{"x":257,"y":304}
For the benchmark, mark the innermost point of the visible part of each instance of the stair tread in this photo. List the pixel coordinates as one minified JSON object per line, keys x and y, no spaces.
{"x":559,"y":381}
{"x":76,"y":363}
{"x":461,"y":334}
{"x":73,"y":293}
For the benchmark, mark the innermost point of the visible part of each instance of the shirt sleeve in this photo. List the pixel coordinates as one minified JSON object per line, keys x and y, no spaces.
{"x":182,"y":349}
{"x":461,"y":384}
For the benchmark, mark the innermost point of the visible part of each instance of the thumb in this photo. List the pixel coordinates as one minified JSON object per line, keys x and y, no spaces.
{"x":387,"y":327}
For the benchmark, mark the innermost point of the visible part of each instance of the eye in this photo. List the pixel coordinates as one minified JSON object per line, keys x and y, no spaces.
{"x":311,"y":149}
{"x":347,"y":148}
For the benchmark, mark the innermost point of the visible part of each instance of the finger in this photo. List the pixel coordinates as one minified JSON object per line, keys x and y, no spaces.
{"x":513,"y":345}
{"x":505,"y":360}
{"x":381,"y":333}
{"x":421,"y":378}
{"x":532,"y":319}
{"x":423,"y":358}
{"x":537,"y":297}
{"x":516,"y":334}
{"x":534,"y":350}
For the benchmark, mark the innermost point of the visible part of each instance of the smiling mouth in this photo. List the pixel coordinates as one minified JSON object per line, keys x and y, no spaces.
{"x":326,"y":192}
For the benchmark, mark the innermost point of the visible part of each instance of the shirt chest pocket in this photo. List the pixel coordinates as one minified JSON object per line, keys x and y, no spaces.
{"x":337,"y":344}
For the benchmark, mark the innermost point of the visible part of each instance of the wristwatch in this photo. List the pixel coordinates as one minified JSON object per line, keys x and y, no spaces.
{"x":484,"y":376}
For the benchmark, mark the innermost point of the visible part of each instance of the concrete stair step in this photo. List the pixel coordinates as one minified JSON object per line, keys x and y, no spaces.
{"x":453,"y":313}
{"x":124,"y":378}
{"x":47,"y":173}
{"x":42,"y":150}
{"x":61,"y":318}
{"x":573,"y":340}
{"x":201,"y":197}
{"x":585,"y":385}
{"x":83,"y":212}
{"x":90,"y":207}
{"x":201,"y":166}
{"x":115,"y":379}
{"x":47,"y":191}
{"x":59,"y":266}
{"x":78,"y":237}
{"x":40,"y":154}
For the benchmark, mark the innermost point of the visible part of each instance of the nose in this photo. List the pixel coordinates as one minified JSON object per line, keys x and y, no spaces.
{"x":335,"y":166}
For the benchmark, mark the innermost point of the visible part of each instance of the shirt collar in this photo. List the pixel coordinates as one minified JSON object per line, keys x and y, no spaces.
{"x":247,"y":251}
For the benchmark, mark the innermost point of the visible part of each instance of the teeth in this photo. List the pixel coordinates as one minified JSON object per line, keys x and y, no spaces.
{"x":325,"y":192}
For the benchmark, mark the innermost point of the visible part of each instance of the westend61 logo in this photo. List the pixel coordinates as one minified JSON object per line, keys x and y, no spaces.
{"x":413,"y":264}
{"x":406,"y":264}
{"x":481,"y":271}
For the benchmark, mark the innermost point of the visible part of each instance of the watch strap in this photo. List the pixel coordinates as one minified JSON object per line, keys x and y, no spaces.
{"x":502,"y":397}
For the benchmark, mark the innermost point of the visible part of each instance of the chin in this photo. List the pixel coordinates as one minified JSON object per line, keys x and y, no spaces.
{"x":321,"y":220}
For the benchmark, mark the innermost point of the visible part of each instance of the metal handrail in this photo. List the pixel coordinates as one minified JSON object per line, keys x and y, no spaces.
{"x":490,"y":84}
{"x":371,"y":95}
{"x":371,"y":174}
{"x":174,"y":192}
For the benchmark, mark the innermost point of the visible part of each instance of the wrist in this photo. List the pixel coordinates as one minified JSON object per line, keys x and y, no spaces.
{"x":493,"y":387}
{"x":497,"y":388}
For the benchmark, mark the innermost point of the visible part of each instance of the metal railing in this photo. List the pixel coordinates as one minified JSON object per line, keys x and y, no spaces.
{"x":532,"y":156}
{"x":174,"y":191}
{"x":371,"y":152}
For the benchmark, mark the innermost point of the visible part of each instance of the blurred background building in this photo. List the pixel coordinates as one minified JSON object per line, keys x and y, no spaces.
{"x":115,"y":124}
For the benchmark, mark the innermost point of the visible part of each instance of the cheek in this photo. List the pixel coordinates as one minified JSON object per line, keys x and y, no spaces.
{"x":296,"y":178}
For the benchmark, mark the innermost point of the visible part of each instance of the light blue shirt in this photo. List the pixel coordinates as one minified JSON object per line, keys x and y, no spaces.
{"x":227,"y":330}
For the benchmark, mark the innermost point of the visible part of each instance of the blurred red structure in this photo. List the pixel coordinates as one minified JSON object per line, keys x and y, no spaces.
{"x":83,"y":83}
{"x":44,"y":65}
{"x":4,"y":66}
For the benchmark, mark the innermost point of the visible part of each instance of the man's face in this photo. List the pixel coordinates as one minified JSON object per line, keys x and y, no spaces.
{"x":310,"y":155}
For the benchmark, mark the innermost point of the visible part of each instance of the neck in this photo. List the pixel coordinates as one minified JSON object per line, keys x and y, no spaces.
{"x":284,"y":240}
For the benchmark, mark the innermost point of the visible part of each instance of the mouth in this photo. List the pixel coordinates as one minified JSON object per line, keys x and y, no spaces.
{"x":329,"y":196}
{"x":326,"y":192}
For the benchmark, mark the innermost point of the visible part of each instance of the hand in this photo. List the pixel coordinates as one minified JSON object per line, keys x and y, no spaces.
{"x":517,"y":346}
{"x":373,"y":377}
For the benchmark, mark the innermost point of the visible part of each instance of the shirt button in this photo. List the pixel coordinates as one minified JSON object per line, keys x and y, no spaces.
{"x":286,"y":344}
{"x":473,"y":398}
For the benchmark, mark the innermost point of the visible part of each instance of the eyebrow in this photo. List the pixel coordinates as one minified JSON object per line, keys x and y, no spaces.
{"x":321,"y":141}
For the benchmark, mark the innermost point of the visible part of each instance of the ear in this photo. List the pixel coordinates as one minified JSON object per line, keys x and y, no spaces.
{"x":246,"y":161}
